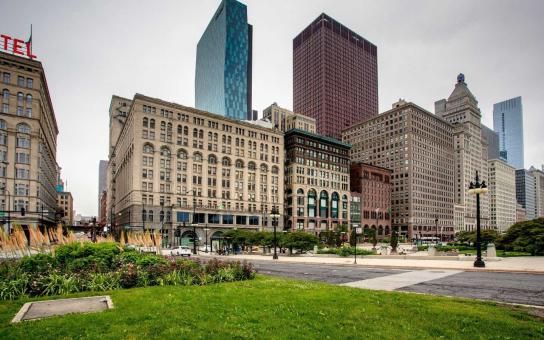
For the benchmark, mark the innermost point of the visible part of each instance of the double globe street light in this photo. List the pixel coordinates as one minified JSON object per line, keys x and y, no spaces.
{"x":275,"y":215}
{"x":477,"y":188}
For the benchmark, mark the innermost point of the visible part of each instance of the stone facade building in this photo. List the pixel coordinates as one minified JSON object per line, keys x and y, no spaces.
{"x":461,"y":110}
{"x":317,"y":182}
{"x":28,"y":143}
{"x":418,"y":147}
{"x":374,"y":185}
{"x":502,"y":192}
{"x":65,"y":203}
{"x":538,"y":175}
{"x":285,"y":120}
{"x":172,"y":165}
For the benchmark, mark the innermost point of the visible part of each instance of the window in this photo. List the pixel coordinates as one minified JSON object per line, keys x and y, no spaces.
{"x":239,"y":164}
{"x":145,"y":122}
{"x":22,"y":173}
{"x":21,"y":81}
{"x":5,"y":95}
{"x":5,"y":108}
{"x":23,"y":142}
{"x":23,"y":128}
{"x":148,"y":148}
{"x":23,"y":158}
{"x":152,"y":123}
{"x":29,"y":83}
{"x":6,"y":78}
{"x":21,"y":189}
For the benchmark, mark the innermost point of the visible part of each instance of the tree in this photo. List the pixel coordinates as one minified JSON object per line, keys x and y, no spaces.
{"x":525,"y":236}
{"x":299,"y":240}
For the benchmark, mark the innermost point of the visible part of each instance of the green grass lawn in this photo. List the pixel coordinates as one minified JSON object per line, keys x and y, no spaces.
{"x":500,"y":253}
{"x":278,"y":308}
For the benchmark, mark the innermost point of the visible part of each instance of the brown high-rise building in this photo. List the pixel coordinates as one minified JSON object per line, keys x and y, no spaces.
{"x":335,"y":76}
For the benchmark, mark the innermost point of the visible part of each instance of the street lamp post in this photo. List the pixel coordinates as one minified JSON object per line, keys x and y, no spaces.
{"x":275,"y":216}
{"x":206,"y":238}
{"x":436,"y":229}
{"x":477,"y":188}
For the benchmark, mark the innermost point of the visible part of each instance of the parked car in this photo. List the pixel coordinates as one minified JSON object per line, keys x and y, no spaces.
{"x":202,"y":249}
{"x":181,"y":251}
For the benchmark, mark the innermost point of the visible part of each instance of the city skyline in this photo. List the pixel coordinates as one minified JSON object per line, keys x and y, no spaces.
{"x":418,"y":60}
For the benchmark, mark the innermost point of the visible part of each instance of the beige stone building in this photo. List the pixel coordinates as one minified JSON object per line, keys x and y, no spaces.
{"x":502,"y":194}
{"x":461,"y":110}
{"x":65,"y":204}
{"x":539,"y":191}
{"x":168,"y":161}
{"x":418,"y":147}
{"x":28,"y":143}
{"x":285,"y":120}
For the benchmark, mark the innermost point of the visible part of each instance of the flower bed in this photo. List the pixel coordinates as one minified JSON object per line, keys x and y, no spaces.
{"x":89,"y":266}
{"x":345,"y":251}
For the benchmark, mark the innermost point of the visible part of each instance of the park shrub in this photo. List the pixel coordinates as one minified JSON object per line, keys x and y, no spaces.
{"x":73,"y":269}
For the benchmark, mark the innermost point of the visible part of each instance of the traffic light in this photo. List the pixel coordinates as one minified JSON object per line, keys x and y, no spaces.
{"x":23,"y":211}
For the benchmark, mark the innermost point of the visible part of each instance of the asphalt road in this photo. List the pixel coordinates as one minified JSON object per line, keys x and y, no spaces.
{"x":497,"y":286}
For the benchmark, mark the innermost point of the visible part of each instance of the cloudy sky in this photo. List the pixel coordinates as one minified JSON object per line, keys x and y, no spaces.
{"x":93,"y":49}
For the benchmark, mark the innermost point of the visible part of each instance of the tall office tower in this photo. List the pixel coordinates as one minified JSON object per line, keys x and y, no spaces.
{"x":335,"y":76}
{"x":525,"y":192}
{"x":418,"y":147}
{"x":539,"y":190}
{"x":492,"y":138}
{"x":28,"y":144}
{"x":223,"y":63}
{"x":508,"y":123}
{"x":461,"y":110}
{"x":502,"y":193}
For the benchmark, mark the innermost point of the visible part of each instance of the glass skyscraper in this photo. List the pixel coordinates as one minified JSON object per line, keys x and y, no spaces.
{"x":223,"y":63}
{"x":508,"y":123}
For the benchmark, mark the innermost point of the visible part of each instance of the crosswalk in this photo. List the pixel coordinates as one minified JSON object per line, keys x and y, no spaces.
{"x":397,"y":281}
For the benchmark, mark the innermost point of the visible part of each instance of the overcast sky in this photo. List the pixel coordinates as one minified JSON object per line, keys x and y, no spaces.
{"x":93,"y":49}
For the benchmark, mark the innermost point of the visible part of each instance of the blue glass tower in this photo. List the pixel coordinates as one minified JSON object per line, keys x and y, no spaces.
{"x":223,"y":63}
{"x":508,"y":123}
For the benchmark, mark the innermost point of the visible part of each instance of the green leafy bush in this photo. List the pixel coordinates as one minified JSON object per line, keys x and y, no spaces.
{"x":103,"y":281}
{"x":59,"y":284}
{"x":14,"y":289}
{"x":39,"y":263}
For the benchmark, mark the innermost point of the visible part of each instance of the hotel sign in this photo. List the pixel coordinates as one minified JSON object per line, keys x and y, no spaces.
{"x":16,"y":46}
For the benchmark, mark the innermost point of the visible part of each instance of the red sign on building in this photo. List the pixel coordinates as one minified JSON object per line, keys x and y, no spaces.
{"x":16,"y":46}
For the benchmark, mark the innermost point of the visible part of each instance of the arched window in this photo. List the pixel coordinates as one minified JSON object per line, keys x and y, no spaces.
{"x":144,"y":215}
{"x":334,"y":205}
{"x":23,"y":128}
{"x":344,"y":206}
{"x":251,"y":166}
{"x":225,"y":161}
{"x":275,"y":170}
{"x":195,"y":133}
{"x":324,"y":204}
{"x":201,"y":134}
{"x":152,"y":123}
{"x":212,"y":159}
{"x":150,"y":215}
{"x":163,"y":126}
{"x":3,"y":125}
{"x":5,"y":95}
{"x":168,"y":216}
{"x":180,"y":129}
{"x":161,"y":216}
{"x":165,"y":152}
{"x":300,"y":191}
{"x":186,"y":131}
{"x":145,"y":122}
{"x":210,"y":136}
{"x":197,"y":157}
{"x":311,"y":203}
{"x":29,"y":99}
{"x":229,"y":140}
{"x":182,"y":154}
{"x":264,"y":168}
{"x":239,"y":164}
{"x":148,"y":148}
{"x":169,"y":127}
{"x":20,"y":98}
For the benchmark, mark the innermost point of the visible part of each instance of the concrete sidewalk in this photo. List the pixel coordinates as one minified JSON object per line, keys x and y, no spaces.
{"x":527,"y":264}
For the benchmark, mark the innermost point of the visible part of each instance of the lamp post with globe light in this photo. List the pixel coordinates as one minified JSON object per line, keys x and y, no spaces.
{"x":477,"y":188}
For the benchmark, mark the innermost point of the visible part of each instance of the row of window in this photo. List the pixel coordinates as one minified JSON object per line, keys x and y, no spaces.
{"x":21,"y":81}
